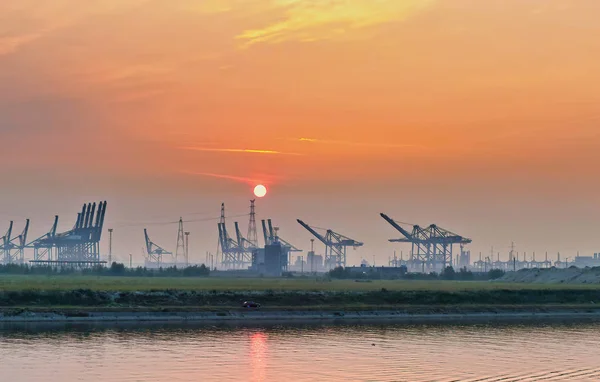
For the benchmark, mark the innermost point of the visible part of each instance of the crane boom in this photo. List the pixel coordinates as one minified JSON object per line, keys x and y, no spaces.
{"x":266,"y":236}
{"x":315,"y":233}
{"x":148,"y":242}
{"x":238,"y":234}
{"x":404,"y":232}
{"x":271,"y":231}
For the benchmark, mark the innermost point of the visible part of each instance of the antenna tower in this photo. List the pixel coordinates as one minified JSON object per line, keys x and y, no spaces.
{"x":180,"y":243}
{"x":252,"y":236}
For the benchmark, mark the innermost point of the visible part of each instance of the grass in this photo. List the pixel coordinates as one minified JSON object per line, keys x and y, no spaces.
{"x":89,"y":292}
{"x":108,"y":283}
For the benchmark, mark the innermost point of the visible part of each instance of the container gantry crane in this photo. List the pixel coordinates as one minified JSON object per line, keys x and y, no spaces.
{"x":7,"y":245}
{"x":43,"y":245}
{"x":154,"y":252}
{"x":335,"y":245}
{"x":19,"y":243}
{"x":431,"y":246}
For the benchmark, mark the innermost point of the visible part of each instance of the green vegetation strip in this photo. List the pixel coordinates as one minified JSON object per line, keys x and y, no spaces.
{"x":20,"y":283}
{"x":127,"y":293}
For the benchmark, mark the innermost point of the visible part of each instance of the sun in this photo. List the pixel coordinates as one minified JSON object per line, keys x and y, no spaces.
{"x":260,"y":191}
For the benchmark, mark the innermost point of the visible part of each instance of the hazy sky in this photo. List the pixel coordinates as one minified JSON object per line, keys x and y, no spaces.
{"x":480,"y":116}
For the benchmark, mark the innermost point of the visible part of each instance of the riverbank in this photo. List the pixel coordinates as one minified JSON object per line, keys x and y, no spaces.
{"x":107,"y":299}
{"x":297,"y":300}
{"x":421,"y":315}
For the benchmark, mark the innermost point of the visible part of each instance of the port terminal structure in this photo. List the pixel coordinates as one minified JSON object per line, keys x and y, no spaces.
{"x":154,"y":253}
{"x":12,"y":249}
{"x":336,"y":245}
{"x":76,"y":248}
{"x":243,"y":252}
{"x":431,"y":246}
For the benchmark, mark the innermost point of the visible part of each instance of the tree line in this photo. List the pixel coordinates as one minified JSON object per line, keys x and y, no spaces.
{"x":115,"y":269}
{"x":448,"y":273}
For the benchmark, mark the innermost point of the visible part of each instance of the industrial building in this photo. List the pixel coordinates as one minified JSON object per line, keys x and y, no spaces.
{"x":586,"y":261}
{"x":272,"y":260}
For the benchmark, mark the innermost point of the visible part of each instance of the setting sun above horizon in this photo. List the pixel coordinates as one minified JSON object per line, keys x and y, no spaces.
{"x":479,"y":116}
{"x":260,"y":191}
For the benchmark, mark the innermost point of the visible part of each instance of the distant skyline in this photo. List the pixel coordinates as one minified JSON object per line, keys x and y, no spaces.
{"x":480,"y":116}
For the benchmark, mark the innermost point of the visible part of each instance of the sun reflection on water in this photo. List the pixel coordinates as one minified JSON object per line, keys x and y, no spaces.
{"x":258,"y":356}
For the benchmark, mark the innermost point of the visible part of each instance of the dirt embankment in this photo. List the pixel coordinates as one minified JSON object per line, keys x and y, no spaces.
{"x":554,"y":276}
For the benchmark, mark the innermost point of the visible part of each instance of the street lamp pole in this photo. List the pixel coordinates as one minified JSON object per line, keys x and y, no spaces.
{"x":110,"y":232}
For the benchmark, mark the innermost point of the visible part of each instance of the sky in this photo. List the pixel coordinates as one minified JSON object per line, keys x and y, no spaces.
{"x":480,"y":116}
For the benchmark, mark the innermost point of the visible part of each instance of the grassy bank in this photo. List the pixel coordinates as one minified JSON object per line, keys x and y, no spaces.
{"x":135,"y":293}
{"x":284,"y":294}
{"x":87,"y":297}
{"x":128,"y":284}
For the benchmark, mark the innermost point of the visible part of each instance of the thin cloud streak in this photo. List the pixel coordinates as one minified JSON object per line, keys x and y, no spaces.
{"x":10,"y":44}
{"x":223,"y":176}
{"x":362,"y":144}
{"x":314,"y":20}
{"x":244,"y":151}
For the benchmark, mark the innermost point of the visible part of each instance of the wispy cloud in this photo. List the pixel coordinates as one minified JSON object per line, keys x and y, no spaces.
{"x":25,"y":21}
{"x":225,"y":176}
{"x":355,"y":143}
{"x":310,"y":20}
{"x":245,"y":151}
{"x":10,"y":44}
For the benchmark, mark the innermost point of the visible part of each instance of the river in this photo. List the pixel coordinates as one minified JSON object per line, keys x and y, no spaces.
{"x":548,"y":352}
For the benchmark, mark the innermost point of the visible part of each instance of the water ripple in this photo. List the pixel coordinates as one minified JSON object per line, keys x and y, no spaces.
{"x":475,"y":353}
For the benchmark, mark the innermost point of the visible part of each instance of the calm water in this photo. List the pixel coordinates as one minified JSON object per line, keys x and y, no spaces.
{"x":552,"y":352}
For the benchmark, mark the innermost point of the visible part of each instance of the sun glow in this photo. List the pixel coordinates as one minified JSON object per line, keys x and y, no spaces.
{"x":260,"y":191}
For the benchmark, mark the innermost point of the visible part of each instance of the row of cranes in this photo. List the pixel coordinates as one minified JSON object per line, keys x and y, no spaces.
{"x":233,"y":252}
{"x":237,"y":253}
{"x":431,"y":246}
{"x":78,"y":246}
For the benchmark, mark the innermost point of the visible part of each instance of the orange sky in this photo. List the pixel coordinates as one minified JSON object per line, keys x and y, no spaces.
{"x":482,"y":116}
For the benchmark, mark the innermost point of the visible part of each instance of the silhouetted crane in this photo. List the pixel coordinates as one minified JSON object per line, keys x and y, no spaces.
{"x":154,"y":252}
{"x":431,"y":246}
{"x":335,"y":245}
{"x":271,"y":235}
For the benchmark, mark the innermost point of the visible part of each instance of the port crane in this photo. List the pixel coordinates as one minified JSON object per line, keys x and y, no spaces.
{"x":234,"y":253}
{"x":271,"y":235}
{"x":335,"y":245}
{"x":431,"y":246}
{"x":154,"y":252}
{"x":13,"y":248}
{"x":42,"y":246}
